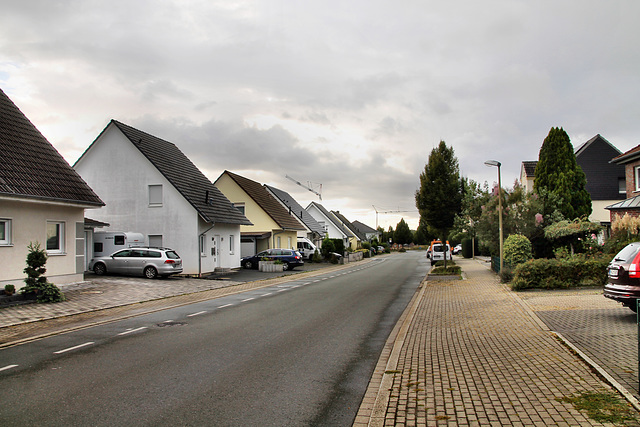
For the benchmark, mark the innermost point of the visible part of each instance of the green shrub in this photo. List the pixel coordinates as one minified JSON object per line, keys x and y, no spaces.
{"x":327,"y":248}
{"x":9,"y":289}
{"x":560,"y":273}
{"x":516,"y":250}
{"x":36,"y":281}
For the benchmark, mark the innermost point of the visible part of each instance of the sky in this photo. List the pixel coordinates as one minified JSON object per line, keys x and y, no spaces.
{"x":353,"y":95}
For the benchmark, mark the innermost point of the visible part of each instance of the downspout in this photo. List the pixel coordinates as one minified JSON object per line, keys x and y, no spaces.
{"x":200,"y":253}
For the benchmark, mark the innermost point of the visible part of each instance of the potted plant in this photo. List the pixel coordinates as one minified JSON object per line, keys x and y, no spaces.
{"x":9,"y":290}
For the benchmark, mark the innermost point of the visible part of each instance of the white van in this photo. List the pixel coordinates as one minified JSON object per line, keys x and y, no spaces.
{"x":306,"y":247}
{"x":107,"y":242}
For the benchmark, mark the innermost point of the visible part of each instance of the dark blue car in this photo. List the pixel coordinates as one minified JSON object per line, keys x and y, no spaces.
{"x":289,"y":258}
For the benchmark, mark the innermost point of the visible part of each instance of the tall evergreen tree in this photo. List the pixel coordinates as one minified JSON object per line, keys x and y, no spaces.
{"x":402,"y":234}
{"x":559,"y":181}
{"x":439,"y":198}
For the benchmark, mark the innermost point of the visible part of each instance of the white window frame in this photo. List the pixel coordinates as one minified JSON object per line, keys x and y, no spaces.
{"x":60,"y":228}
{"x":636,"y":173}
{"x":5,"y":224}
{"x":203,"y":251}
{"x":155,"y":195}
{"x":232,"y":244}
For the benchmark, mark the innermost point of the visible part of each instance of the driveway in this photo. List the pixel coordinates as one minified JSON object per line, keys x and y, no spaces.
{"x":601,"y":328}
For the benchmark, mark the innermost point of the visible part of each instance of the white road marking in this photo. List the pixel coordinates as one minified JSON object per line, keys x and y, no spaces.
{"x":130,"y":331}
{"x":264,"y":295}
{"x":281,"y":290}
{"x":73,"y":348}
{"x":196,"y":314}
{"x":8,"y":367}
{"x":248,"y":299}
{"x":226,"y":305}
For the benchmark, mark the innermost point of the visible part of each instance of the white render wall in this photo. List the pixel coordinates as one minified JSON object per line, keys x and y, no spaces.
{"x":29,"y":224}
{"x":120,"y":174}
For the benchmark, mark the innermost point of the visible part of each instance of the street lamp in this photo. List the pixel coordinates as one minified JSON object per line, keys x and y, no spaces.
{"x":496,"y":163}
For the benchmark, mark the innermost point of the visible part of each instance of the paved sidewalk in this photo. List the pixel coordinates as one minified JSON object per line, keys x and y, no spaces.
{"x":471,"y":353}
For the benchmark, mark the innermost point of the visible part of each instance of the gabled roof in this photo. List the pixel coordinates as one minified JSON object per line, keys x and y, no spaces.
{"x":332,"y":218}
{"x":529,"y":167}
{"x":297,"y":210}
{"x":30,"y":167}
{"x":597,"y":138}
{"x":196,"y":188}
{"x":346,"y":223}
{"x":363,"y":228}
{"x":267,"y":202}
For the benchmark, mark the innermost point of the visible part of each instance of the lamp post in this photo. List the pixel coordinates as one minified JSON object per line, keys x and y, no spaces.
{"x":496,"y":163}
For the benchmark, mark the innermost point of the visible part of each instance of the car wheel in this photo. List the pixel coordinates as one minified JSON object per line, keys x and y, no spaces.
{"x":248,"y":265}
{"x":150,"y":273}
{"x":285,"y":266}
{"x":99,"y":269}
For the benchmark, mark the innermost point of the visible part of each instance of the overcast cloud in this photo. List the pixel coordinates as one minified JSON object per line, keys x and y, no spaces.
{"x":353,"y":95}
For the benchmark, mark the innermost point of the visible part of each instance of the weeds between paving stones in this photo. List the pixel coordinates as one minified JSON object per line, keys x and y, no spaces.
{"x":604,"y":407}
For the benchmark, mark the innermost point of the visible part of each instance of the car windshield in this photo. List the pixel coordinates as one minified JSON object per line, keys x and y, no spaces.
{"x":628,"y":253}
{"x":437,"y":248}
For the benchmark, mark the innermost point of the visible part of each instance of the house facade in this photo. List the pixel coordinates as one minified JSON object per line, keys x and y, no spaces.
{"x":605,"y":180}
{"x":369,"y":233}
{"x":273,"y":226}
{"x":332,"y":226}
{"x":356,"y":239}
{"x":631,"y":205}
{"x":528,"y":174}
{"x":42,"y":201}
{"x":314,"y":231}
{"x":150,"y":187}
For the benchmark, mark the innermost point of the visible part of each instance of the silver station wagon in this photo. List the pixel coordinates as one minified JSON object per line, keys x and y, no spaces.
{"x":137,"y":261}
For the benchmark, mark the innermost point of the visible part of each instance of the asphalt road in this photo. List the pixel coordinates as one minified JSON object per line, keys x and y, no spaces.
{"x":300,"y":353}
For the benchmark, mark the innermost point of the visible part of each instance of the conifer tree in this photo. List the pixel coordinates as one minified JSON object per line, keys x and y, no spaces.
{"x":559,"y":181}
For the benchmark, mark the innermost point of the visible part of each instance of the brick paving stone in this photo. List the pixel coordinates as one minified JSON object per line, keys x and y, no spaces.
{"x":472,"y":354}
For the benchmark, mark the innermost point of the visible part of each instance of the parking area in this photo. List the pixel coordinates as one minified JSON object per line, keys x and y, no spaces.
{"x":601,"y":328}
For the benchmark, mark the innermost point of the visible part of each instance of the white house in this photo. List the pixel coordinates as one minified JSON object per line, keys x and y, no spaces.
{"x":333,"y":227}
{"x":149,"y":186}
{"x":42,"y":200}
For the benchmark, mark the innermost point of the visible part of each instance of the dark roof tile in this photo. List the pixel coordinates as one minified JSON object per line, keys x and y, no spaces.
{"x":267,"y":202}
{"x":194,"y":186}
{"x":30,"y":167}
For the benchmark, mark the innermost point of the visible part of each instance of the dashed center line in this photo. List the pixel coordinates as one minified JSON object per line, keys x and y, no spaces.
{"x":226,"y":305}
{"x":73,"y":348}
{"x":8,"y":367}
{"x":248,"y":299}
{"x":132,"y":331}
{"x":264,"y":295}
{"x":196,"y":314}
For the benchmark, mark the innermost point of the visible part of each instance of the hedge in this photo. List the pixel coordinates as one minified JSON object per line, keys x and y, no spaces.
{"x":561,"y":273}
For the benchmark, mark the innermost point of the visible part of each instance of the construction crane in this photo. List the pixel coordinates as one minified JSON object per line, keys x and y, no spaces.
{"x":309,"y":186}
{"x":385,"y":212}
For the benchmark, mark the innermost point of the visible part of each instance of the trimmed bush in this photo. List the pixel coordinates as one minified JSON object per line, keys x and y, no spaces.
{"x":517,"y":249}
{"x":560,"y":273}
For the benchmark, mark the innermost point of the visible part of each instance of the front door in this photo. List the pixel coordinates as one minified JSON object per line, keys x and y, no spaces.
{"x":215,"y":245}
